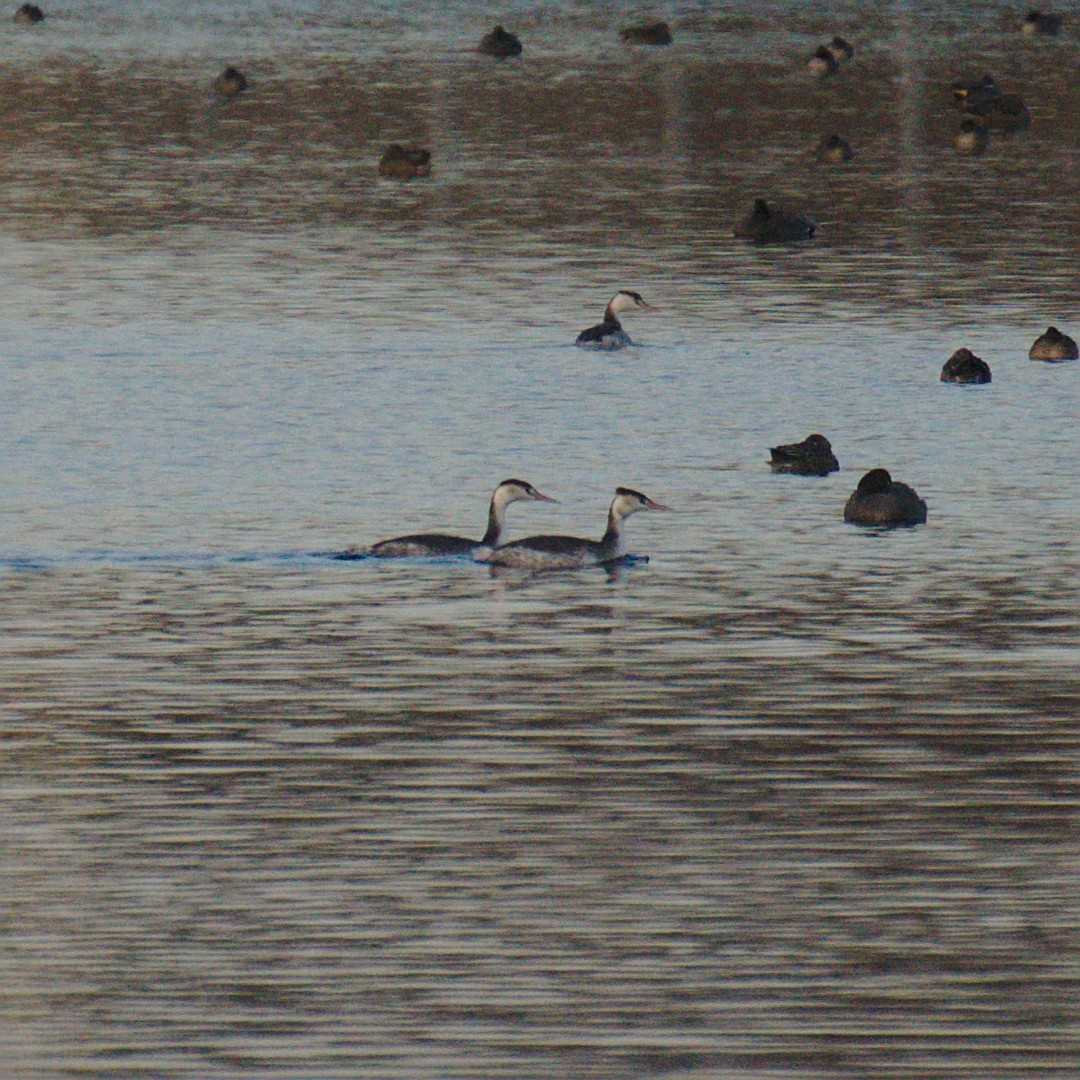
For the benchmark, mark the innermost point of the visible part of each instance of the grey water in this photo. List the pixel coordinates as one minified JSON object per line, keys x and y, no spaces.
{"x":789,"y":798}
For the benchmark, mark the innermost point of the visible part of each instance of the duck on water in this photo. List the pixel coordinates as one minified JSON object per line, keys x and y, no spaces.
{"x":812,"y":457}
{"x":881,"y":500}
{"x":1053,"y":346}
{"x":419,"y":545}
{"x":572,"y":552}
{"x":767,"y":224}
{"x":609,"y":334}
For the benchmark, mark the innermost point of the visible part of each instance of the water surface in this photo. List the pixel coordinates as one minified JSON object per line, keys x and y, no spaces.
{"x":789,"y":799}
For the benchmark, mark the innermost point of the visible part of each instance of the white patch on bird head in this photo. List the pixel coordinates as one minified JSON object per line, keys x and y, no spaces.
{"x":625,"y":300}
{"x":627,"y":501}
{"x":516,"y":491}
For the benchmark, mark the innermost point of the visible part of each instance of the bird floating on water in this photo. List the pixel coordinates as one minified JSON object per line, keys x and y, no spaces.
{"x":984,"y":100}
{"x":822,"y":62}
{"x":230,"y":83}
{"x":880,"y":500}
{"x":972,"y":138}
{"x":1041,"y":22}
{"x":572,"y":552}
{"x":812,"y":457}
{"x":841,"y":50}
{"x":1053,"y":346}
{"x":441,"y":544}
{"x":405,"y":162}
{"x":767,"y":224}
{"x":29,"y":14}
{"x":834,"y":149}
{"x":500,"y":43}
{"x":965,"y":367}
{"x":609,"y":334}
{"x":657,"y":33}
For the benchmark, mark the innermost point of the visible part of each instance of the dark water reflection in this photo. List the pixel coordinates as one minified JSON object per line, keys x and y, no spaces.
{"x":789,"y":799}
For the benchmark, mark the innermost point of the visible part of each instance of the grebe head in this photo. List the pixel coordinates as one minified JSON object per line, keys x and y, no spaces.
{"x":627,"y":501}
{"x":818,"y":443}
{"x":517,"y":491}
{"x":625,"y":300}
{"x":875,"y":482}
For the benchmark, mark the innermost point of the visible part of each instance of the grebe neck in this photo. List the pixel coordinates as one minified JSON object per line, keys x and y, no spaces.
{"x":612,"y":539}
{"x":496,"y":522}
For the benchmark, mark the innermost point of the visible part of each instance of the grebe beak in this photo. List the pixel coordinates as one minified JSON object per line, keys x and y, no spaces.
{"x":650,"y":505}
{"x":539,"y":496}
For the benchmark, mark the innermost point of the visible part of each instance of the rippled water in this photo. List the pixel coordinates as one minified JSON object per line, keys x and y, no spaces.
{"x":791,"y":798}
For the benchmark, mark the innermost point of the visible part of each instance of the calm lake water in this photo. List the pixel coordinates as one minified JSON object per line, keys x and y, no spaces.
{"x":790,"y":799}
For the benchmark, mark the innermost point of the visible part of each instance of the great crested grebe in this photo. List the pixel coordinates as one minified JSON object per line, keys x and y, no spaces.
{"x":880,"y":500}
{"x":230,"y":83}
{"x":812,"y":457}
{"x":767,"y":224}
{"x":1053,"y":345}
{"x":434,"y":544}
{"x":29,"y":14}
{"x":500,"y":43}
{"x":572,"y":552}
{"x":405,"y":162}
{"x":965,"y":367}
{"x":609,"y":334}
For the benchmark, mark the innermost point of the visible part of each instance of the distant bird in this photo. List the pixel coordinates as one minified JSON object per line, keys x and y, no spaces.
{"x":500,"y":43}
{"x":28,"y":14}
{"x":834,"y":149}
{"x":1038,"y":22}
{"x":1053,"y":346}
{"x":230,"y":83}
{"x":971,"y":90}
{"x":768,"y":225}
{"x":405,"y":162}
{"x":658,"y":33}
{"x":880,"y":500}
{"x":984,"y":100}
{"x":609,"y":334}
{"x":965,"y":367}
{"x":972,"y":138}
{"x":822,"y":62}
{"x":812,"y":457}
{"x":1007,"y":112}
{"x":840,"y":49}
